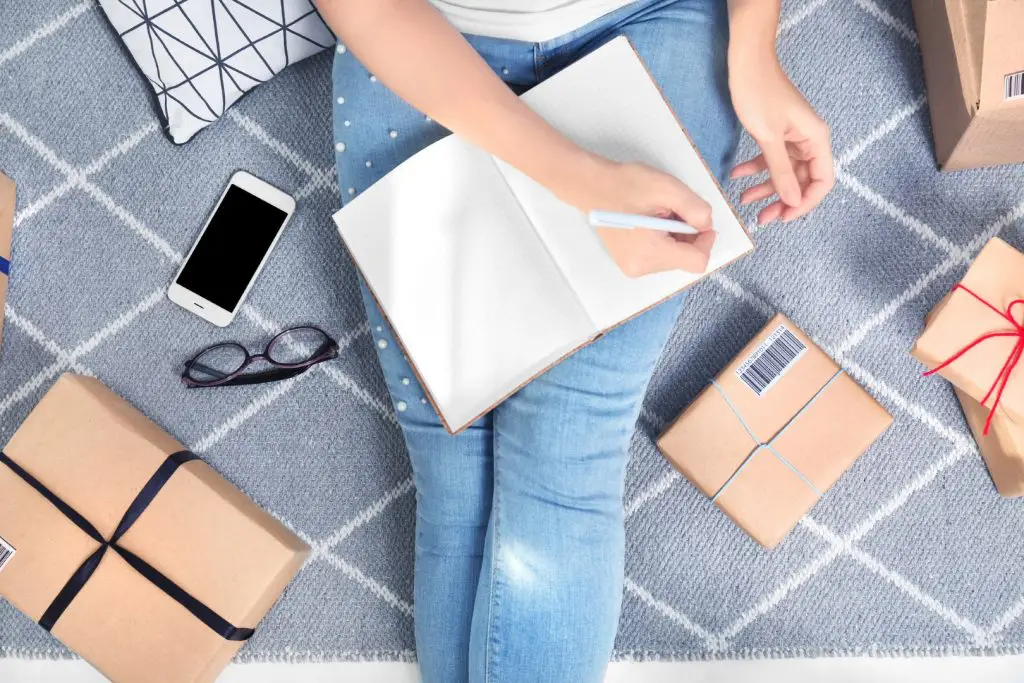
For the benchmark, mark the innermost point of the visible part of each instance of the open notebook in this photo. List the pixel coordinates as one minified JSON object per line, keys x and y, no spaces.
{"x":486,"y":278}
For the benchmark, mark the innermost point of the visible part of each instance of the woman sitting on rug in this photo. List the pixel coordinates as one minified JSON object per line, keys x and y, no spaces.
{"x":519,"y":527}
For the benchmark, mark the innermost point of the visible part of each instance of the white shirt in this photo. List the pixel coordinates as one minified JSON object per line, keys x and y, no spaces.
{"x":530,"y":20}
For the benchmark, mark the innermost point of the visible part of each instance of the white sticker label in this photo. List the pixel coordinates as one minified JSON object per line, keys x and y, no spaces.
{"x":6,"y":553}
{"x":771,"y":360}
{"x":1013,"y":86}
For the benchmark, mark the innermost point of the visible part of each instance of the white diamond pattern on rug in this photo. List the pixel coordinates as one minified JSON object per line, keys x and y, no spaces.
{"x":911,"y":554}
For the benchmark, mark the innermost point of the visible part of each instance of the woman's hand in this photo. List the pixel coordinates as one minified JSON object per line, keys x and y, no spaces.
{"x":640,"y":189}
{"x":795,"y":144}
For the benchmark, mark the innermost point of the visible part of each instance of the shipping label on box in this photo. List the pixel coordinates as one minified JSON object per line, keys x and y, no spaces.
{"x":6,"y":553}
{"x":771,"y":360}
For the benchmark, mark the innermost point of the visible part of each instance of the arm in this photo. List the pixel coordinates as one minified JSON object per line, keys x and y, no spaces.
{"x":795,"y":145}
{"x":413,"y":50}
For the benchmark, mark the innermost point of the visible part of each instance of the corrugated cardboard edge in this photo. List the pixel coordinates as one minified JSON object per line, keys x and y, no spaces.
{"x":412,"y":364}
{"x":964,"y":46}
{"x":1002,"y":53}
{"x":939,"y":27}
{"x":8,"y":203}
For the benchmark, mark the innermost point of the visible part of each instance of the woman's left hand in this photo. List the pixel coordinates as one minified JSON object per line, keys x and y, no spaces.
{"x":796,"y":149}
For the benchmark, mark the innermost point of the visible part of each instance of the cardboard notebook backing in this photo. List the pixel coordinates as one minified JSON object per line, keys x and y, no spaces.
{"x":485,"y":278}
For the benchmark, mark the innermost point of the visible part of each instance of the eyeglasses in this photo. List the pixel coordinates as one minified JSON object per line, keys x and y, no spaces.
{"x":291,"y":352}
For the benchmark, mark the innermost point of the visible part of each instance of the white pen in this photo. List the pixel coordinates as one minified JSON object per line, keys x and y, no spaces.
{"x":628,"y":221}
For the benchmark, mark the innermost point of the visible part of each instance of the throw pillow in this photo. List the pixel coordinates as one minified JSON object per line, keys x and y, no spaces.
{"x":202,"y":55}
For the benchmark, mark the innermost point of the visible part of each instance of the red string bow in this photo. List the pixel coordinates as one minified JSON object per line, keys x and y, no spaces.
{"x":1003,"y":378}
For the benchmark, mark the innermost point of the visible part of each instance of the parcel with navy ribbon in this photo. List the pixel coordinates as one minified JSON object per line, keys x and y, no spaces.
{"x":773,"y":432}
{"x":132,"y":551}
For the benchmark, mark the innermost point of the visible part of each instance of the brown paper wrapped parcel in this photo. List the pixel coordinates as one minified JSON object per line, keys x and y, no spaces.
{"x":1002,"y":448}
{"x":185,"y":567}
{"x":773,"y":432}
{"x":981,"y":319}
{"x":974,"y":338}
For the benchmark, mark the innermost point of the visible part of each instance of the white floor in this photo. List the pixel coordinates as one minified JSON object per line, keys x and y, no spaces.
{"x":863,"y":670}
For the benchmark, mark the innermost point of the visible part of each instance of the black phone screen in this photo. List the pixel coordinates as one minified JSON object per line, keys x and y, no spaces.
{"x":232,"y":248}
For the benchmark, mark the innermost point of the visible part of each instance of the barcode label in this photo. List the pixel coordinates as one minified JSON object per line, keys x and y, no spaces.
{"x":6,"y":553}
{"x":1013,"y":86}
{"x":771,"y":360}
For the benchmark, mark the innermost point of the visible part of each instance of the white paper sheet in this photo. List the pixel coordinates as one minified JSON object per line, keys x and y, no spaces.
{"x":607,"y":103}
{"x":469,"y":288}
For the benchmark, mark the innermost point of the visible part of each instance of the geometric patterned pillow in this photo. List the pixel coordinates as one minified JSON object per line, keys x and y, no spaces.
{"x":202,"y":55}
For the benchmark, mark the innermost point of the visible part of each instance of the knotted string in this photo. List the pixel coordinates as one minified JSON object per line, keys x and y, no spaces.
{"x":1003,"y":378}
{"x":770,"y":444}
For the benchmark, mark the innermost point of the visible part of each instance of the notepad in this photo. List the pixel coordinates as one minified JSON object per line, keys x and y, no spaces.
{"x":486,"y":278}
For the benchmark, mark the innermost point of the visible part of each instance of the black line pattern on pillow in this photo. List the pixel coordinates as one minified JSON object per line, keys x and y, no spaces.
{"x":200,"y":56}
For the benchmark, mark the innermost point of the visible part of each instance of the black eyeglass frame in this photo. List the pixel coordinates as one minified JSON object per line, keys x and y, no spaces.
{"x":326,"y":351}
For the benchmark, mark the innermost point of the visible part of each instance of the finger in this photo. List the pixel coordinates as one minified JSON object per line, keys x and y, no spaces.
{"x":748,"y":168}
{"x":767,"y":188}
{"x":780,"y":166}
{"x":813,"y":194}
{"x":685,"y":203}
{"x":770,"y":213}
{"x":692,"y":256}
{"x":757,"y":192}
{"x":821,"y":171}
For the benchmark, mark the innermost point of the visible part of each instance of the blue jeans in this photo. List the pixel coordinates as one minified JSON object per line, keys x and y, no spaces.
{"x":519,"y":523}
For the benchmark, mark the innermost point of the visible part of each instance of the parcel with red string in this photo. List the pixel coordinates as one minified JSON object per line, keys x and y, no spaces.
{"x":974,"y":338}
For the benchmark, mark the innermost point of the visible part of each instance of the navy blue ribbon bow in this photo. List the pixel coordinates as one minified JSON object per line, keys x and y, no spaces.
{"x":78,"y":580}
{"x":5,"y":266}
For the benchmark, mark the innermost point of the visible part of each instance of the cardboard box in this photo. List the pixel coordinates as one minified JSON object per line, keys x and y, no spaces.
{"x":973,"y":56}
{"x":1002,"y":448}
{"x":774,"y":431}
{"x":7,"y":196}
{"x":98,"y":456}
{"x":962,"y":318}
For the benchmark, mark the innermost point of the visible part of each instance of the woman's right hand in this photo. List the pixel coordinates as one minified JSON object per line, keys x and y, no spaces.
{"x":640,"y":189}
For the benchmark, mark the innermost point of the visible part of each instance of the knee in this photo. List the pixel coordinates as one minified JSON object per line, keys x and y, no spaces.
{"x":454,"y":485}
{"x":575,"y":485}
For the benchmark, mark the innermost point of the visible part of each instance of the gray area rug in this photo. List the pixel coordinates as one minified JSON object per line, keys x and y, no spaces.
{"x":912,"y":553}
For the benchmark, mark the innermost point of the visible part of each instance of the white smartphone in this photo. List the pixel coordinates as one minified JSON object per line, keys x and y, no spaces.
{"x":232,"y":249}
